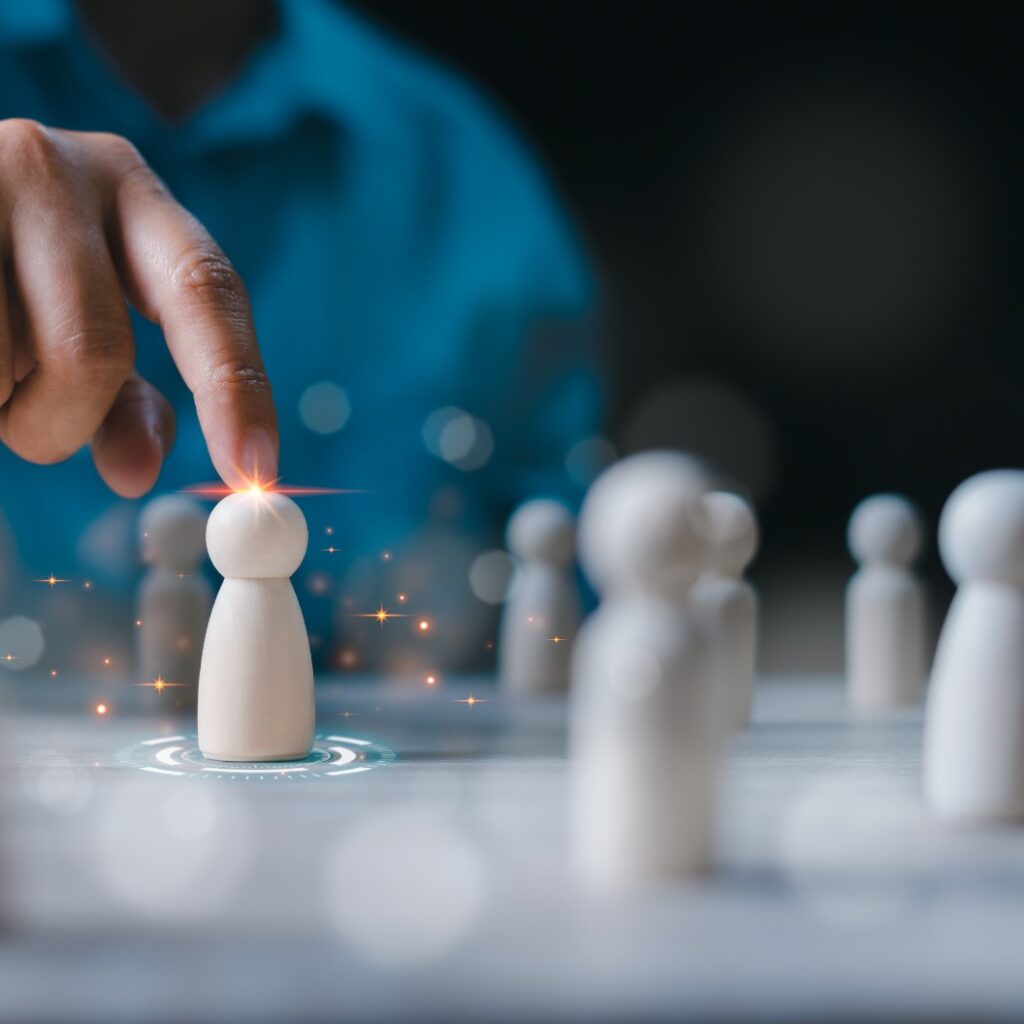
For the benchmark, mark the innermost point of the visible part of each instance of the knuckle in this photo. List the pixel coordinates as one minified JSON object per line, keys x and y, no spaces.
{"x":239,"y":376}
{"x":104,"y":349}
{"x":30,"y":147}
{"x":118,"y":148}
{"x":127,"y":164}
{"x":138,"y":176}
{"x":204,"y":274}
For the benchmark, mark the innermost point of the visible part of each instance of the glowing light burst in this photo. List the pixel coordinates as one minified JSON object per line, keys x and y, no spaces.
{"x":556,"y":639}
{"x":430,"y":679}
{"x":332,"y":550}
{"x":52,"y":581}
{"x":381,"y":615}
{"x":160,"y":684}
{"x":471,"y":700}
{"x":9,"y":658}
{"x":221,"y":490}
{"x":102,"y":709}
{"x":423,"y":626}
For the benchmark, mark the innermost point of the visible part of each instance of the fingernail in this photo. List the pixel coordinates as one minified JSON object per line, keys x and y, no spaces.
{"x":259,"y":456}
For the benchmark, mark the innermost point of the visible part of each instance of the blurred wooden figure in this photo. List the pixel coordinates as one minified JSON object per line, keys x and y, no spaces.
{"x":643,"y":736}
{"x":974,"y":719}
{"x":541,"y":613}
{"x":885,"y":606}
{"x":174,"y":598}
{"x":726,"y":604}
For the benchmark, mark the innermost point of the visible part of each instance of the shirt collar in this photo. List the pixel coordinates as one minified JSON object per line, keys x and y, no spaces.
{"x":320,"y":62}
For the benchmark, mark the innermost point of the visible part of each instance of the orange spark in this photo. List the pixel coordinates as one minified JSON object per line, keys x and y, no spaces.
{"x":402,"y":598}
{"x":556,"y":639}
{"x":470,"y":700}
{"x":160,"y":684}
{"x":52,"y":581}
{"x":9,"y":658}
{"x":424,"y":625}
{"x":101,"y":709}
{"x":430,"y":680}
{"x":381,"y":615}
{"x":106,"y":661}
{"x":331,"y":550}
{"x":53,"y":673}
{"x":138,"y":622}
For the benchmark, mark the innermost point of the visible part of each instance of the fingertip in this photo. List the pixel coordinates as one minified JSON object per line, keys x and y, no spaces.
{"x":251,"y":460}
{"x":259,"y":455}
{"x":130,"y":464}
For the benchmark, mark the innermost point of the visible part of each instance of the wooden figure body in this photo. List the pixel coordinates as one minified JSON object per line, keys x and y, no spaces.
{"x":256,"y":680}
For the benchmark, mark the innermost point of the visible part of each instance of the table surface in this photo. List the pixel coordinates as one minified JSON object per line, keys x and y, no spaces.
{"x":418,"y":870}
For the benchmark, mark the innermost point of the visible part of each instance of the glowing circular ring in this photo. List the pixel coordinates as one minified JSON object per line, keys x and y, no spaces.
{"x":331,"y":757}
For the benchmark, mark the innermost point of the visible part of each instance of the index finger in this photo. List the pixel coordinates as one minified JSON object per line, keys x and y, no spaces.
{"x":177,"y":275}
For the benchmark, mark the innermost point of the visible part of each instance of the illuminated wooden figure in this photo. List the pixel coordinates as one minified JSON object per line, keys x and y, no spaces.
{"x":256,"y":680}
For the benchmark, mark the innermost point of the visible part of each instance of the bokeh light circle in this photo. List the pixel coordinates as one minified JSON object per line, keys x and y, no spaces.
{"x":403,"y":890}
{"x":21,"y":643}
{"x":490,"y":576}
{"x":586,"y":459}
{"x":714,"y":421}
{"x":459,"y":438}
{"x":324,"y":407}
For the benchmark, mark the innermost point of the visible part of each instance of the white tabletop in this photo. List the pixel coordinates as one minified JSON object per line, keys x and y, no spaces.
{"x":418,"y":871}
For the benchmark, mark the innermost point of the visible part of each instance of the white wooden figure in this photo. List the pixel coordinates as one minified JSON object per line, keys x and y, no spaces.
{"x":727,"y":604}
{"x":643,"y":738}
{"x":174,"y":597}
{"x":974,"y":719}
{"x":256,"y":680}
{"x":885,"y":606}
{"x":541,"y":615}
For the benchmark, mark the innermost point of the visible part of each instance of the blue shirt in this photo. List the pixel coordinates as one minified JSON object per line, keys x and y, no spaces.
{"x":402,"y":250}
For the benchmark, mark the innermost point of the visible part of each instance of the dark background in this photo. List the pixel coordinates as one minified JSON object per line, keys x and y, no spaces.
{"x":807,"y":224}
